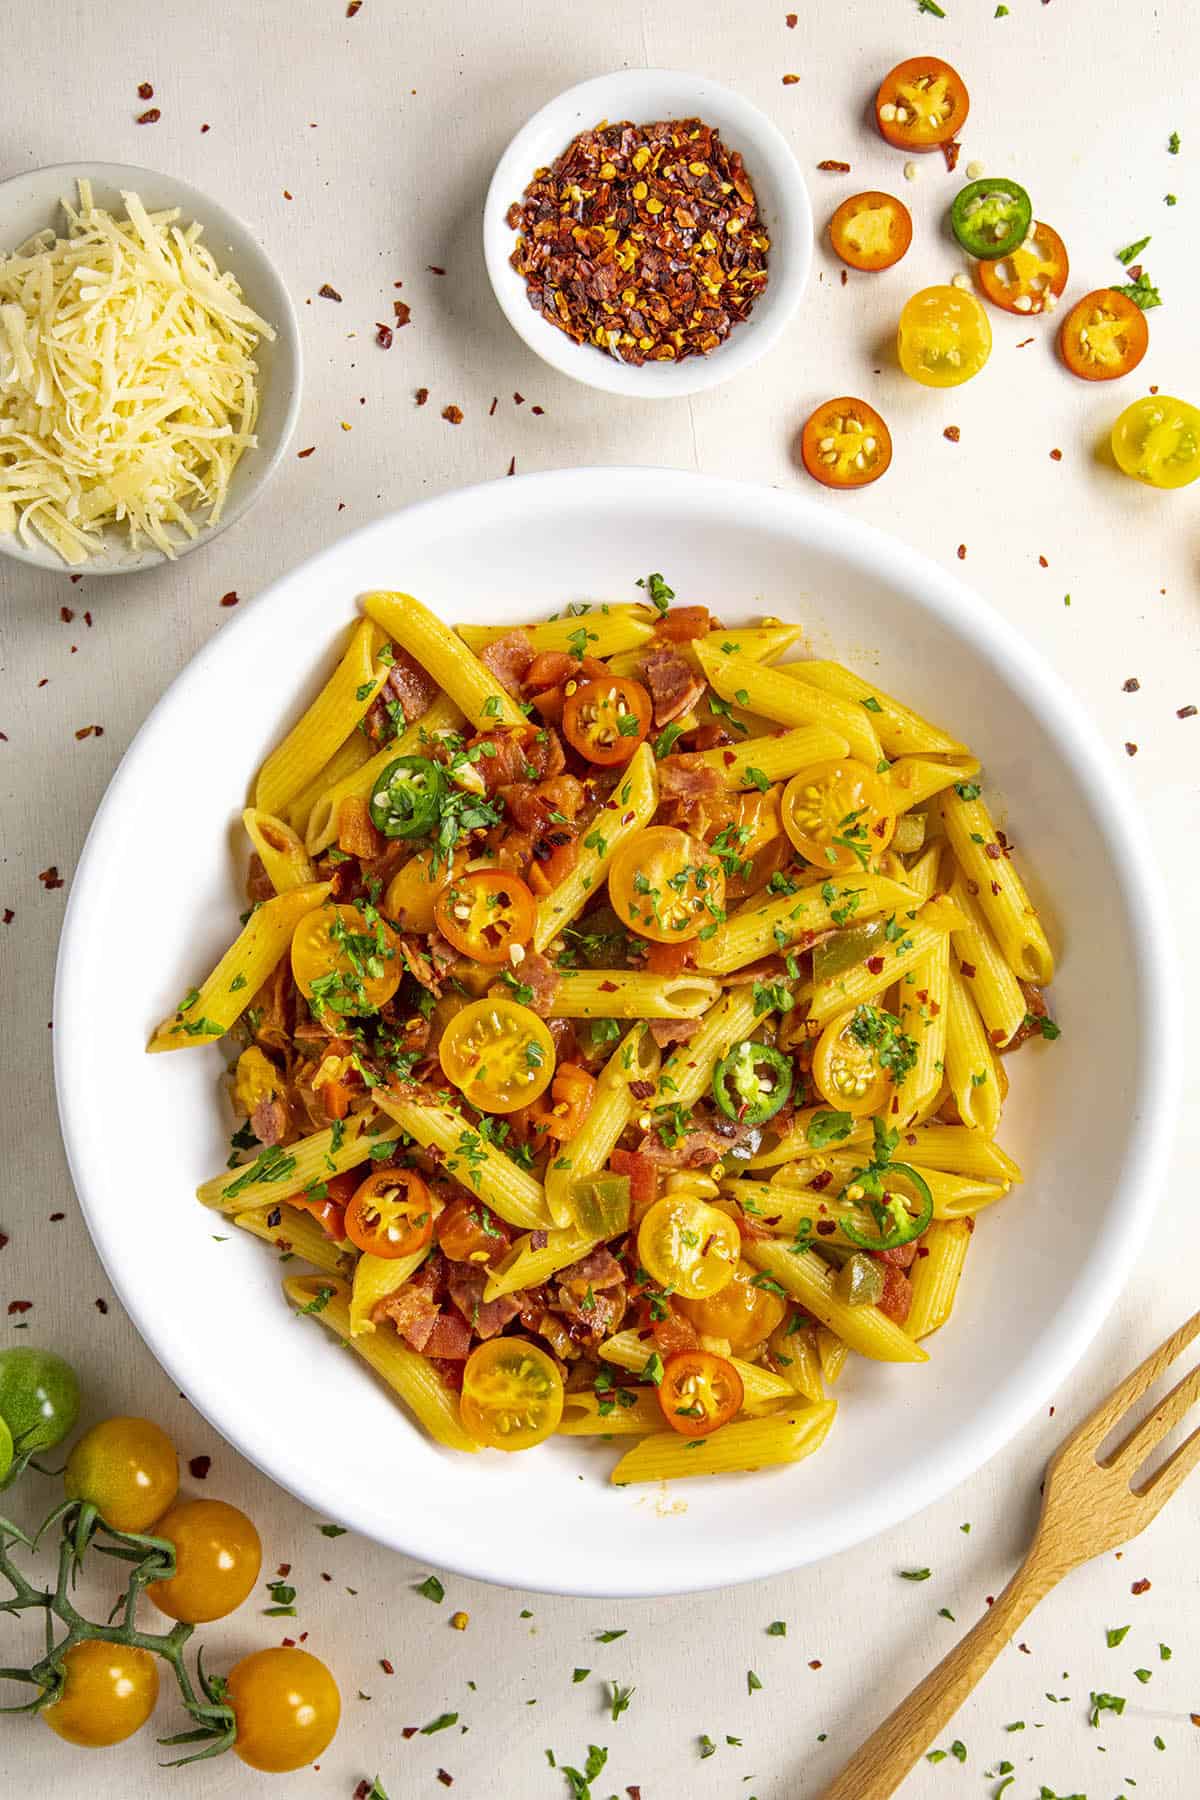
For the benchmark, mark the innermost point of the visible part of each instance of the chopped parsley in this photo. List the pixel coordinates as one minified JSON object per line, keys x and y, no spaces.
{"x":657,"y":591}
{"x":665,"y":740}
{"x":1102,"y":1703}
{"x":1142,"y":292}
{"x":829,"y":1128}
{"x":915,"y":1574}
{"x":1131,"y":251}
{"x":432,"y":1589}
{"x":1116,"y":1634}
{"x":319,"y":1301}
{"x":621,"y":1696}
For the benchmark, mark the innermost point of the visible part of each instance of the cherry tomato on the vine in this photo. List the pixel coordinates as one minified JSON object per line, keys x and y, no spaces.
{"x":921,"y":104}
{"x":109,"y":1692}
{"x":218,"y":1555}
{"x":39,"y":1397}
{"x":127,"y":1468}
{"x":845,"y":444}
{"x":287,"y":1707}
{"x":871,"y":231}
{"x":699,"y":1392}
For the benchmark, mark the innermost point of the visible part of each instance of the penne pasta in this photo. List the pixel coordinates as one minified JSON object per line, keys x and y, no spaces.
{"x":209,"y":1010}
{"x":923,"y":1010}
{"x":763,"y":760}
{"x":902,"y":732}
{"x":688,"y":1070}
{"x":832,"y":1354}
{"x":277,"y":1174}
{"x":631,"y":805}
{"x":630,"y":994}
{"x":296,"y":1234}
{"x":604,"y":1415}
{"x":636,"y":1058}
{"x":761,"y":643}
{"x":529,"y":1262}
{"x":936,"y":1273}
{"x":515,"y":1196}
{"x":599,"y":630}
{"x":808,"y":1280}
{"x":794,"y":1143}
{"x":345,"y":699}
{"x":1003,"y":900}
{"x":346,"y":758}
{"x":961,"y":1150}
{"x":995,"y":988}
{"x":375,"y":1278}
{"x":916,"y":779}
{"x":865,"y":982}
{"x":359,"y":784}
{"x":971,"y":1066}
{"x":775,"y":694}
{"x":283,"y":854}
{"x":457,"y":671}
{"x":795,"y":1359}
{"x":409,"y":1375}
{"x":785,"y":1437}
{"x":761,"y":927}
{"x":953,"y":1195}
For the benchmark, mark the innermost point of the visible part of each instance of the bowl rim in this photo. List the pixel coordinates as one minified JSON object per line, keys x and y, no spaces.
{"x":1153,"y":1108}
{"x":214,"y":216}
{"x":792,"y":254}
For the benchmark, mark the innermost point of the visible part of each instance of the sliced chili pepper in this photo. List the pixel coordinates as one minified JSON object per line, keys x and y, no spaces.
{"x":899,"y":1234}
{"x":753,"y":1082}
{"x":404,"y":801}
{"x":991,"y":217}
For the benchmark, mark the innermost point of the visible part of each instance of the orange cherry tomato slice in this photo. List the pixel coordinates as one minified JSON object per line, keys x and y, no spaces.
{"x":1103,"y":336}
{"x":391,"y":1213}
{"x":468,"y":1231}
{"x":845,"y":444}
{"x":483,"y":913}
{"x":327,"y":1203}
{"x":871,"y":231}
{"x":561,"y":1113}
{"x":921,"y":104}
{"x":699,"y":1392}
{"x":1030,"y":278}
{"x":607,"y":720}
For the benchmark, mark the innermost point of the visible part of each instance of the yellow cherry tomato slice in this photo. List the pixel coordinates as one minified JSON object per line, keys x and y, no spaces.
{"x":218,"y":1555}
{"x":127,"y":1469}
{"x":742,"y":1314}
{"x":666,"y":885}
{"x":944,"y":337}
{"x":413,"y":890}
{"x":688,"y":1246}
{"x":346,"y":961}
{"x":512,"y":1394}
{"x":498,"y":1053}
{"x":287,"y":1708}
{"x":846,"y":1068}
{"x":109,"y":1692}
{"x":1157,"y":440}
{"x":837,"y":815}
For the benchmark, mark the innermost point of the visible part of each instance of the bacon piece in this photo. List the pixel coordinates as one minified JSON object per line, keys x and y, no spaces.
{"x":357,"y":833}
{"x":896,"y":1300}
{"x":417,"y":962}
{"x":592,"y":1316}
{"x":466,"y":1282}
{"x":553,"y":858}
{"x":450,"y":1337}
{"x":643,"y":1176}
{"x":598,"y":1269}
{"x":413,"y":686}
{"x":509,"y":659}
{"x":542,"y":977}
{"x":686,"y":778}
{"x":674,"y":1333}
{"x":1035,"y":1010}
{"x":270,"y":1119}
{"x":673,"y":683}
{"x":420,"y":1330}
{"x":259,"y":885}
{"x":673,"y":1031}
{"x":698,"y":1147}
{"x":683,"y":623}
{"x":406,"y":1308}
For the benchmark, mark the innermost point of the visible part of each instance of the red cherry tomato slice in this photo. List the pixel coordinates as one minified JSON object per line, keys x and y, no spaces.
{"x":1030,"y":278}
{"x":1103,"y":336}
{"x":391,"y":1213}
{"x":481,"y":914}
{"x":871,"y":231}
{"x":607,"y":720}
{"x":845,"y":444}
{"x":699,"y":1392}
{"x":921,"y":104}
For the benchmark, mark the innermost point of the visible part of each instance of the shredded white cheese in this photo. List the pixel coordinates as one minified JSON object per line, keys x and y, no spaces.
{"x":128,"y":386}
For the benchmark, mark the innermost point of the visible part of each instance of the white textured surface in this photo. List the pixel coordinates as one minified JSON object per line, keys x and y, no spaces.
{"x":1078,"y":102}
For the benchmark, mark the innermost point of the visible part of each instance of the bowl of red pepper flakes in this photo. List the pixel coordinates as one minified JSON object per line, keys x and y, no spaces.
{"x":648,"y":233}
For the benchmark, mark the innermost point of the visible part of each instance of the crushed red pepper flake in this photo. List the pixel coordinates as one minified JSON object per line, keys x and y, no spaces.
{"x":453,"y":415}
{"x":1024,"y":343}
{"x":87,"y":619}
{"x":961,"y":553}
{"x":198,"y":1467}
{"x":386,"y":1666}
{"x":353,"y":7}
{"x":952,"y":151}
{"x":1140,"y":1587}
{"x":953,"y":433}
{"x":422,"y":395}
{"x":44,"y":682}
{"x":383,"y":335}
{"x":150,"y":117}
{"x":65,"y":614}
{"x":86,"y":731}
{"x":446,"y":1780}
{"x":8,"y":915}
{"x":790,"y":80}
{"x":229,"y":599}
{"x":519,"y":399}
{"x":832,"y":167}
{"x":815,"y":1663}
{"x":102,"y":1306}
{"x":512,"y":466}
{"x":301,"y":454}
{"x":326,"y":292}
{"x":145,"y":91}
{"x":434,"y":269}
{"x":19,"y":1306}
{"x":1042,"y":563}
{"x":205,"y":128}
{"x":493,"y":406}
{"x":287,"y":195}
{"x":642,"y":240}
{"x":1055,"y":455}
{"x":403,"y":312}
{"x":50,"y":878}
{"x":1131,"y":749}
{"x":1130,"y":685}
{"x":845,"y":277}
{"x":537,"y":411}
{"x":409,"y":1731}
{"x":1185,"y":712}
{"x":791,"y":20}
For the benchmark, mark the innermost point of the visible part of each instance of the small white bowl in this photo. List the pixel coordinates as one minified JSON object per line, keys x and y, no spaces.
{"x":644,"y":95}
{"x":30,"y":203}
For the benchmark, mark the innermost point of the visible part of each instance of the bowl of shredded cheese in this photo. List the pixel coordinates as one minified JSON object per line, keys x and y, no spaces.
{"x":149,"y":368}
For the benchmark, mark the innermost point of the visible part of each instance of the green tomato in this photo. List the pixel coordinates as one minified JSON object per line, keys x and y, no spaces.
{"x":39,"y":1398}
{"x":6,"y":1450}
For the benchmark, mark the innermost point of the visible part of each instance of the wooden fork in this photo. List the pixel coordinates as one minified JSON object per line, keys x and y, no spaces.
{"x":1089,"y":1506}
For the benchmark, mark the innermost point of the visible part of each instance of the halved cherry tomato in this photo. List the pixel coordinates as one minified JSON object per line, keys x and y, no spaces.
{"x":468,"y":1231}
{"x":921,"y":104}
{"x":498,"y":1053}
{"x":668,"y":959}
{"x":871,"y":231}
{"x":845,"y":444}
{"x":836,"y":813}
{"x":391,"y":1213}
{"x":413,"y":890}
{"x":742,"y":1314}
{"x":328,"y":1208}
{"x":666,"y":885}
{"x":109,"y":1692}
{"x":846,"y":1069}
{"x":943,"y":337}
{"x":218,"y":1554}
{"x":287,"y":1708}
{"x":512,"y":1394}
{"x":345,"y":961}
{"x":1157,"y":440}
{"x":1031,"y":277}
{"x":483,"y":913}
{"x":699,"y":1392}
{"x":560,"y":1114}
{"x":688,"y":1246}
{"x":1103,"y":336}
{"x":607,"y":720}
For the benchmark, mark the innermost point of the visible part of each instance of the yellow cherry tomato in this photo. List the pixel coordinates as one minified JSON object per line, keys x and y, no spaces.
{"x":666,"y":885}
{"x":846,"y":1067}
{"x":512,"y":1394}
{"x":345,"y":960}
{"x":127,"y":1469}
{"x":413,"y":890}
{"x":500,"y":1054}
{"x":944,"y":337}
{"x":109,"y":1692}
{"x":837,"y":815}
{"x":1157,"y":440}
{"x":742,"y":1314}
{"x":218,"y":1555}
{"x":688,"y":1246}
{"x":287,"y":1708}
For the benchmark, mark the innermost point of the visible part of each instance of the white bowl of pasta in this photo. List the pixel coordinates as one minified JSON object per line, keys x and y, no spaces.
{"x":690,"y":1255}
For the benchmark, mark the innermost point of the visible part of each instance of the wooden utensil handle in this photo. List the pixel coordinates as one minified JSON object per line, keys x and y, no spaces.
{"x":880,"y":1765}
